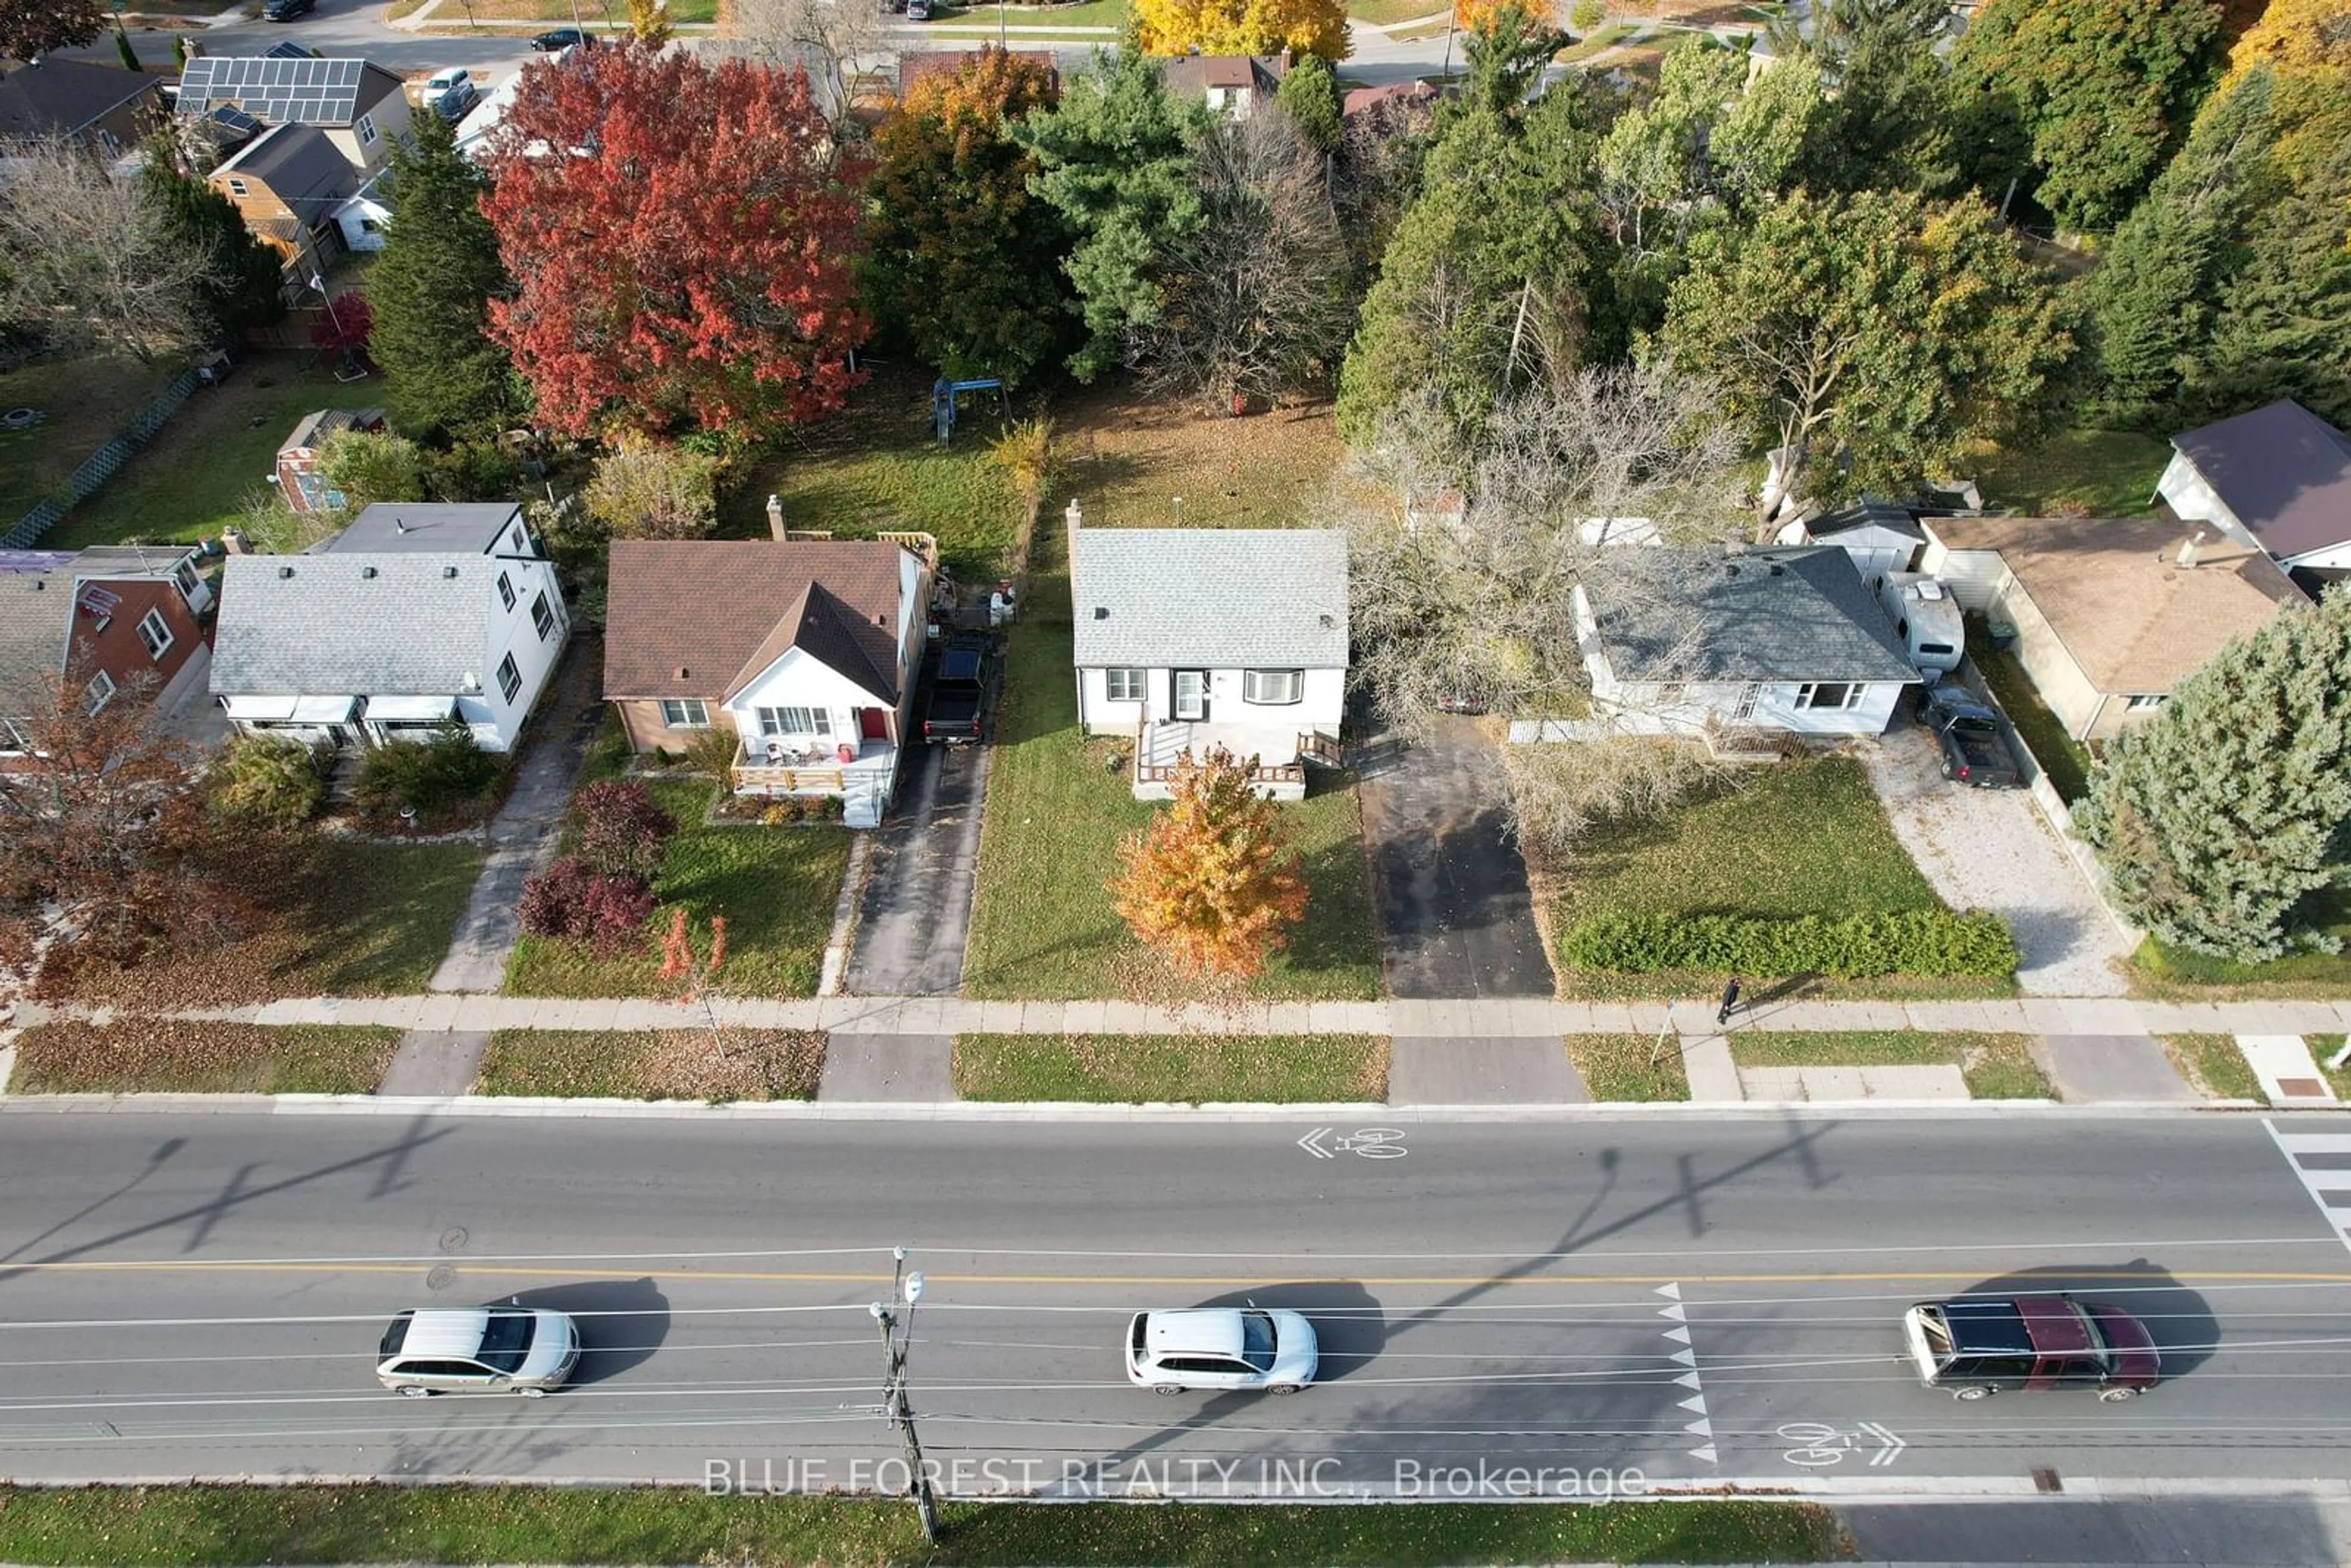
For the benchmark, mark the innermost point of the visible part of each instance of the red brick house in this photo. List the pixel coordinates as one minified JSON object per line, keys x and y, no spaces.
{"x":124,"y":623}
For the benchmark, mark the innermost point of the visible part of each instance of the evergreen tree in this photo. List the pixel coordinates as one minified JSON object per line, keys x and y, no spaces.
{"x":431,"y":288}
{"x":1310,"y":93}
{"x":240,"y":285}
{"x":2283,"y":328}
{"x":2221,"y":816}
{"x":1885,"y":120}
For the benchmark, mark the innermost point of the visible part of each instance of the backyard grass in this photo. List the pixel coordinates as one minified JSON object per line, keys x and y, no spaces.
{"x":202,"y":1526}
{"x":82,"y":401}
{"x":2065,"y":760}
{"x":2214,"y":1065}
{"x":1620,"y":1066}
{"x":1996,"y":1066}
{"x":876,"y":468}
{"x":654,"y":1064}
{"x":2098,"y":473}
{"x":1187,"y":1069}
{"x":194,"y":479}
{"x":1144,"y":463}
{"x":776,"y":886}
{"x":359,"y":919}
{"x":1042,"y":924}
{"x":182,"y":1056}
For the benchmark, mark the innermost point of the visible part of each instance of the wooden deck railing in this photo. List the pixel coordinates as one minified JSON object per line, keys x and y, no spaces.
{"x":797,"y":780}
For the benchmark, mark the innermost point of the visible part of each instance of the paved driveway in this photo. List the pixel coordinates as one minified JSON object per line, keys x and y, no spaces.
{"x":916,"y":910}
{"x":1991,"y":849}
{"x":1455,"y":914}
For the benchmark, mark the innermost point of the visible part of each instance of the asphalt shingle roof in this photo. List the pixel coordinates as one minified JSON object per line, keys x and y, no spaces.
{"x":63,"y":97}
{"x":1210,"y":598}
{"x":323,"y":625}
{"x":2285,"y":472}
{"x":1794,"y":615}
{"x":1868,"y":514}
{"x":720,"y":610}
{"x":299,"y":165}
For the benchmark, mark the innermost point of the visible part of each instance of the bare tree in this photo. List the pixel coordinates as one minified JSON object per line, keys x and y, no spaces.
{"x":92,"y":259}
{"x":835,"y":41}
{"x":1560,"y":790}
{"x":1253,"y":300}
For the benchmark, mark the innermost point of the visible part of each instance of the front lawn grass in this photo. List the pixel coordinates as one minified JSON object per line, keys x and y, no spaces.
{"x":1043,"y":925}
{"x":1189,"y":1069}
{"x":2099,"y":473}
{"x":654,"y":1064}
{"x":1388,"y":13}
{"x":194,"y":479}
{"x":1085,"y":13}
{"x":203,"y":1526}
{"x":186,"y":1056}
{"x":2065,"y":760}
{"x":1620,"y":1066}
{"x":776,"y":886}
{"x":2214,"y":1065}
{"x":357,"y":918}
{"x":1996,"y":1066}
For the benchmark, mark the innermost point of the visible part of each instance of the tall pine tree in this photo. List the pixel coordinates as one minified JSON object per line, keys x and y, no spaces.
{"x":240,"y":287}
{"x":2222,"y":817}
{"x":431,"y":289}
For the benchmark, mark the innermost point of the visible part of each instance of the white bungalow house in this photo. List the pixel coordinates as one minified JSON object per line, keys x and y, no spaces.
{"x":417,"y":614}
{"x":806,"y":652}
{"x":1190,"y":639}
{"x":2277,"y":478}
{"x":1711,"y":643}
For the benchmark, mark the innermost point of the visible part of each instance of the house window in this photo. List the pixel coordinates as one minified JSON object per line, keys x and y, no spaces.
{"x":235,"y":186}
{"x":795,"y":721}
{"x":185,"y":575}
{"x":2144,"y":700}
{"x":1272,"y":688}
{"x":101,"y":691}
{"x":1122,"y":686}
{"x":15,"y":735}
{"x":156,"y":633}
{"x":367,"y":130}
{"x":1828,"y":694}
{"x":506,"y":591}
{"x":541,"y":616}
{"x":684,"y":714}
{"x":509,"y":679}
{"x":518,"y":539}
{"x":369,"y":226}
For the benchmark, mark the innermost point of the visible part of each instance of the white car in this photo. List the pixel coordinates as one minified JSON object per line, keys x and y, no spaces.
{"x":456,"y":1350}
{"x":1220,"y":1348}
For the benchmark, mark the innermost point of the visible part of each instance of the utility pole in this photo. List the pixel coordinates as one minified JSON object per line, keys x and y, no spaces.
{"x":895,"y":1409}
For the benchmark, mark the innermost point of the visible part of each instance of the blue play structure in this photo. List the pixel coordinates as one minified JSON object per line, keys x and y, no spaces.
{"x":944,"y":393}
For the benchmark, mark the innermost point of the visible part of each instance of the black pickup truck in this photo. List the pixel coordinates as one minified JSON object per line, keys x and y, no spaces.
{"x":1974,"y":739}
{"x":958,"y":710}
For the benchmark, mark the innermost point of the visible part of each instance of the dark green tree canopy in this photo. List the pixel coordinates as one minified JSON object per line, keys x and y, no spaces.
{"x":1884,"y":122}
{"x":430,"y":288}
{"x":1310,"y":95}
{"x":240,"y":286}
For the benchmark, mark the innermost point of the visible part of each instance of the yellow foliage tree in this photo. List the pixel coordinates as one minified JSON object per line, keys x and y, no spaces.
{"x":2308,"y":43}
{"x":1476,"y":15}
{"x":1212,"y":883}
{"x":649,"y":20}
{"x":1242,"y":26}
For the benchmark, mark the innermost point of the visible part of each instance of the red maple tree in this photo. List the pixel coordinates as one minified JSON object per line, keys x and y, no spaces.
{"x":683,"y":239}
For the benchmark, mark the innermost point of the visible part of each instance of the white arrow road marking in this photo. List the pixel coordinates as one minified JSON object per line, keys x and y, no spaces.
{"x":1312,"y":1144}
{"x":1893,"y":1444}
{"x":1695,"y":1402}
{"x":1702,"y":1426}
{"x":1678,"y":1333}
{"x":1706,"y":1451}
{"x":1688,"y":1380}
{"x":1670,"y":1288}
{"x":1687,"y":1358}
{"x":1675,"y":1310}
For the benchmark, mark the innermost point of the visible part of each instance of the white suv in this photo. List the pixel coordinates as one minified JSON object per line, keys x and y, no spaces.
{"x":456,"y":1350}
{"x":1220,"y":1348}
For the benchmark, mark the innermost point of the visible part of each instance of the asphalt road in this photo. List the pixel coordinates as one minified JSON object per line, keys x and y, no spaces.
{"x":1703,"y":1301}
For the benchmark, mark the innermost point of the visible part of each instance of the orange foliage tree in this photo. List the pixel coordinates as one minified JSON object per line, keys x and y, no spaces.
{"x":1212,"y":883}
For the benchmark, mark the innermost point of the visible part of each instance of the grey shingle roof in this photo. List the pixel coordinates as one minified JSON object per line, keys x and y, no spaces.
{"x":299,"y":165}
{"x":1796,"y":615}
{"x":63,"y":97}
{"x":33,"y":615}
{"x":418,"y":627}
{"x":422,"y":528}
{"x":1222,"y":598}
{"x":1868,"y":514}
{"x":2285,"y":472}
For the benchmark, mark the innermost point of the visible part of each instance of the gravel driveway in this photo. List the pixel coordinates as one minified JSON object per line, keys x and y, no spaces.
{"x":1991,"y":849}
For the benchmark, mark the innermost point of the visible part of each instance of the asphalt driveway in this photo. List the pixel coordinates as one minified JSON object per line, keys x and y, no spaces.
{"x":916,"y":909}
{"x":1991,"y":849}
{"x":1456,"y":917}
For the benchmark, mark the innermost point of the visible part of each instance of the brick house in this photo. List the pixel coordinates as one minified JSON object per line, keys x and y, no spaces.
{"x":121,"y":623}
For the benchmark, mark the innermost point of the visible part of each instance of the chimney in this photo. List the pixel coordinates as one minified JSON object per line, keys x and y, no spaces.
{"x":776,"y":518}
{"x":2188,"y":550}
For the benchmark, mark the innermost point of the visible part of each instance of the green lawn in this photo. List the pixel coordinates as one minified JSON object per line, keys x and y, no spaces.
{"x":2213,"y":1063}
{"x":1138,"y":462}
{"x":1087,"y":14}
{"x":159,"y":1055}
{"x":2099,"y":473}
{"x":2323,"y":1046}
{"x":201,"y":1527}
{"x":1387,"y":13}
{"x":2065,"y":760}
{"x":654,"y":1064}
{"x":1193,"y":1068}
{"x":1042,"y":923}
{"x":1996,"y":1066}
{"x":776,"y":886}
{"x":83,"y":401}
{"x":1629,"y":1066}
{"x":194,"y":479}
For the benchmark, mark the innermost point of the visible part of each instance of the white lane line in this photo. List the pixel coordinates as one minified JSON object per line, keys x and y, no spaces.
{"x":2319,"y":1183}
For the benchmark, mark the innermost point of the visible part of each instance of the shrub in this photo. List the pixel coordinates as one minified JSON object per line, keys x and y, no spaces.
{"x":265,"y":780}
{"x":712,"y":755}
{"x":1924,"y":942}
{"x":436,"y":776}
{"x":1586,"y":16}
{"x":620,"y":831}
{"x":570,"y":901}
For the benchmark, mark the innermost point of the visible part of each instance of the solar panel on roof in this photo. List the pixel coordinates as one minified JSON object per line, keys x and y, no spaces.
{"x":286,"y":50}
{"x":286,"y":86}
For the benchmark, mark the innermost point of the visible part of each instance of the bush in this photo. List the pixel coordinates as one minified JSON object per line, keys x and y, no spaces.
{"x":265,"y":780}
{"x":1586,"y":16}
{"x":471,"y":471}
{"x":712,"y":755}
{"x":619,"y":830}
{"x":570,"y":901}
{"x":1924,"y":942}
{"x":435,"y":777}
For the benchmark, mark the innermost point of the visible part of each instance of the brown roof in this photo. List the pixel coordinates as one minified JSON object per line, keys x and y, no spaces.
{"x":721,"y":611}
{"x":2112,"y":589}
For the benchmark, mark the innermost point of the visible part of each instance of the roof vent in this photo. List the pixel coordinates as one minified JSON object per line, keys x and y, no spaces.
{"x":1101,"y":611}
{"x":285,"y":572}
{"x":1328,"y":623}
{"x":397,"y":526}
{"x":1778,"y":570}
{"x":882,"y":621}
{"x":367,"y":571}
{"x":1730,"y":570}
{"x":448,"y":571}
{"x":682,"y":672}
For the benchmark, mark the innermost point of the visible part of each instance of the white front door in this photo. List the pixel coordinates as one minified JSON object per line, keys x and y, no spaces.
{"x":1191,"y":695}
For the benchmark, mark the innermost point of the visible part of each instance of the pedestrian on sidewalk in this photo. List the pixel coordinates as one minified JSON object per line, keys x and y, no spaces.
{"x":1730,"y":1002}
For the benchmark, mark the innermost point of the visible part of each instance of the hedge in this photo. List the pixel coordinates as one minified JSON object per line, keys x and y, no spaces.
{"x":1924,"y":941}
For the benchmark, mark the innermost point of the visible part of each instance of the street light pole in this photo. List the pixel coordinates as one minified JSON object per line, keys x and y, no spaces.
{"x":896,"y":1409}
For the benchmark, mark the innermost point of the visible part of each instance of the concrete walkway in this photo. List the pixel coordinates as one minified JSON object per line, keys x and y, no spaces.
{"x":435,"y":1064}
{"x":1482,"y":1070}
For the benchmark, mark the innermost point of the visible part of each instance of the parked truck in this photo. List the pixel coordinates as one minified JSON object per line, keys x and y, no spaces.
{"x":1973,"y":737}
{"x":957,"y":711}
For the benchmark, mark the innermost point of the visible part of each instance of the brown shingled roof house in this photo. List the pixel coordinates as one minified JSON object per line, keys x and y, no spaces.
{"x":806,"y":652}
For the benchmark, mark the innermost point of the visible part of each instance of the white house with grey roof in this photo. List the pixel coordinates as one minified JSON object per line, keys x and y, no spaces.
{"x":416,"y":615}
{"x":1785,"y":640}
{"x":1190,"y":639}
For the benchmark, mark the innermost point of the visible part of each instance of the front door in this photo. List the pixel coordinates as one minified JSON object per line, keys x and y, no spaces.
{"x":1192,"y":695}
{"x":873,"y":724}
